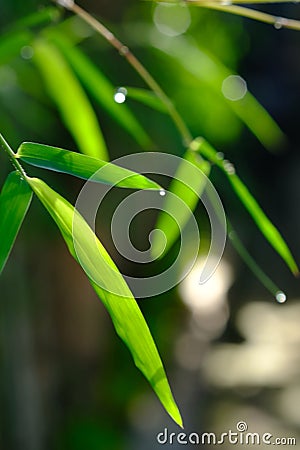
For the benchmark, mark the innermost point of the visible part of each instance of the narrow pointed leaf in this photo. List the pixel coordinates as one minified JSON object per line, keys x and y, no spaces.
{"x":187,"y":184}
{"x":82,"y":166}
{"x":252,"y":264}
{"x":44,"y":16}
{"x":15,"y":199}
{"x":70,"y":99}
{"x":262,"y":221}
{"x":212,"y":73}
{"x":101,"y":89}
{"x":123,"y":309}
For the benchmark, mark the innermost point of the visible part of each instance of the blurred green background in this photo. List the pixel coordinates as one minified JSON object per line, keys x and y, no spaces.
{"x":231,"y":352}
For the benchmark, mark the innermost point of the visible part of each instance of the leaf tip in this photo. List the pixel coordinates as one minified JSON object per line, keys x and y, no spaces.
{"x":296,"y":273}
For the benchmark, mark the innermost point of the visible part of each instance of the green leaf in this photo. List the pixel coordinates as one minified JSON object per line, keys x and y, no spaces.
{"x":146,"y":97}
{"x":211,"y":72}
{"x":123,"y":309}
{"x":187,"y":185}
{"x":264,"y":224}
{"x":262,"y":221}
{"x":251,"y":263}
{"x":100,"y":88}
{"x":41,"y":17}
{"x":11,"y":44}
{"x":15,"y":199}
{"x":82,"y":166}
{"x":70,"y":99}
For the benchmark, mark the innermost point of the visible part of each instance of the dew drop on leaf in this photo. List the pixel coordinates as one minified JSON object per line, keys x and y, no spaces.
{"x":279,"y":23}
{"x":280,"y":297}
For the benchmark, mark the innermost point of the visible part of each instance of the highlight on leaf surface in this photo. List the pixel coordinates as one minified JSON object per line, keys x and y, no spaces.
{"x":15,"y":200}
{"x":123,"y":309}
{"x":82,"y":166}
{"x":74,"y":106}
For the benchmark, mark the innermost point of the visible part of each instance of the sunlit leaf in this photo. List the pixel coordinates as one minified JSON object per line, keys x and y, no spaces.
{"x":15,"y":199}
{"x":82,"y":166}
{"x":187,"y":185}
{"x":262,"y":221}
{"x":123,"y":309}
{"x":70,"y":99}
{"x":101,"y":89}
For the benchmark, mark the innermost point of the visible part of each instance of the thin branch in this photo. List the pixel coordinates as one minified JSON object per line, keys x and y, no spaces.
{"x":134,"y":62}
{"x":276,"y":21}
{"x":230,"y":6}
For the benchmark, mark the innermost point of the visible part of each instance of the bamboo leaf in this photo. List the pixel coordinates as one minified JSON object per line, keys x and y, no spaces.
{"x":251,"y":263}
{"x":262,"y":221}
{"x":123,"y":309}
{"x":101,"y":89}
{"x":82,"y":166}
{"x":207,"y":69}
{"x":70,"y":99}
{"x":44,"y":16}
{"x":11,"y":44}
{"x":187,"y":185}
{"x":15,"y":200}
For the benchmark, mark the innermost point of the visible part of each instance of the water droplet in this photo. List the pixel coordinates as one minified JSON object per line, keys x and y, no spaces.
{"x":280,"y":22}
{"x":220,"y":155}
{"x":162,"y":192}
{"x":229,"y":167}
{"x":120,"y":95}
{"x":124,"y":50}
{"x":280,"y":297}
{"x":27,"y":52}
{"x":226,"y":3}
